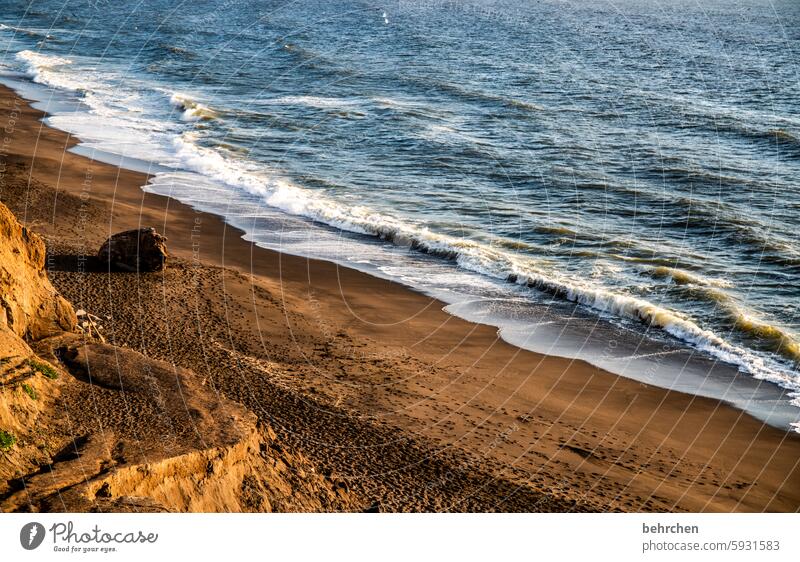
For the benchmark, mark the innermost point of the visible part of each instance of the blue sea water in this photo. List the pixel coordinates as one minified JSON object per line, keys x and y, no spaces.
{"x":572,"y":172}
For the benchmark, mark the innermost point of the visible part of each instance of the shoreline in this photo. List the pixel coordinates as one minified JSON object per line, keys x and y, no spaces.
{"x":573,"y":333}
{"x":552,"y":419}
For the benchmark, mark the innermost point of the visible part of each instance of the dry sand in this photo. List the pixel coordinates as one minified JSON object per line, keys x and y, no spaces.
{"x":416,"y":409}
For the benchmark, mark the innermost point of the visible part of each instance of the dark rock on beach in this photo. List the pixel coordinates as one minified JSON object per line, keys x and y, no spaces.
{"x":140,"y":250}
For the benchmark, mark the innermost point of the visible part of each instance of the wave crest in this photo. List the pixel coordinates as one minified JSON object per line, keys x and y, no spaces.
{"x":683,"y":277}
{"x":773,"y":338}
{"x":192,"y":110}
{"x":40,"y":68}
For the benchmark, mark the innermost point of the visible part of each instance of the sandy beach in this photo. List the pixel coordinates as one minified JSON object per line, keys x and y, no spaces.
{"x":415,"y":409}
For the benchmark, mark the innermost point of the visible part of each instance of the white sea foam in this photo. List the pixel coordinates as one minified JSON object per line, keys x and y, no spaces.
{"x":395,"y":102}
{"x":447,"y":135}
{"x":25,"y":31}
{"x":119,"y":120}
{"x":54,"y":71}
{"x":40,"y":68}
{"x":314,"y":101}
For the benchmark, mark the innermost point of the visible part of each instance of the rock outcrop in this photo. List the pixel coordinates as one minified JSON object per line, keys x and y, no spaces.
{"x":139,"y":250}
{"x":30,"y":308}
{"x":29,"y":305}
{"x":154,"y":438}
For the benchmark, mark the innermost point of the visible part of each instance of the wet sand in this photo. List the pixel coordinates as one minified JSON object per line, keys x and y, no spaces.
{"x":418,"y":409}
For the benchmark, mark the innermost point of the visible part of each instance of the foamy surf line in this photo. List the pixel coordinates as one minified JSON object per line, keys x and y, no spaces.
{"x":282,"y":194}
{"x":479,"y":258}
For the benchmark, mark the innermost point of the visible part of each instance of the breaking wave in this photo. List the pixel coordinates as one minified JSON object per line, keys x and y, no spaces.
{"x":41,"y":69}
{"x":192,"y":110}
{"x":682,"y":277}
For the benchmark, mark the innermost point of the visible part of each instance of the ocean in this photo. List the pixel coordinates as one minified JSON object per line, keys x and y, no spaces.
{"x":611,"y":181}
